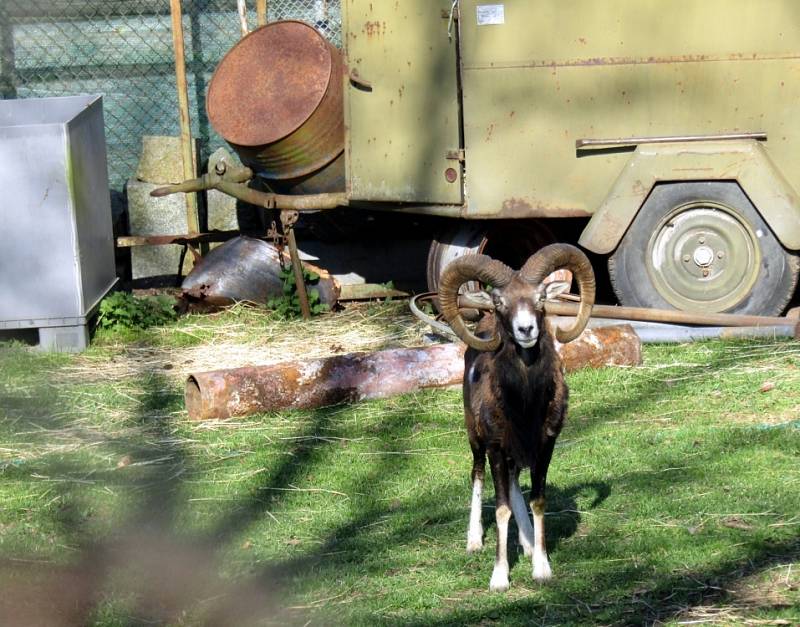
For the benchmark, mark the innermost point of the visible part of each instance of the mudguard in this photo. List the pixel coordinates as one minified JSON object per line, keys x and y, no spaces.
{"x":745,"y":161}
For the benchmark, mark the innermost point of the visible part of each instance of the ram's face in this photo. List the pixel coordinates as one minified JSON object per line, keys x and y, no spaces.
{"x":519,"y":307}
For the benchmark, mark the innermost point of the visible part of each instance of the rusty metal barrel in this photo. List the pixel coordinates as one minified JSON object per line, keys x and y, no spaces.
{"x":276,"y":98}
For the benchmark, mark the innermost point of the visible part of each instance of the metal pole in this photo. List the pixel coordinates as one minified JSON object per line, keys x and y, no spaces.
{"x":297,"y":268}
{"x":666,"y":315}
{"x":261,"y":12}
{"x":192,"y":219}
{"x":242,"y":7}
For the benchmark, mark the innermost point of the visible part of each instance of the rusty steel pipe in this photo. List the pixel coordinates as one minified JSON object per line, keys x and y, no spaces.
{"x":299,"y":280}
{"x":357,"y":376}
{"x":635,"y":141}
{"x":476,"y":300}
{"x":321,"y":382}
{"x":277,"y":99}
{"x":309,"y":202}
{"x":674,"y":316}
{"x":233,"y":186}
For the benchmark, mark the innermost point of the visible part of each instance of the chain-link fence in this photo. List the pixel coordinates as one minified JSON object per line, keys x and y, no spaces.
{"x":123,"y":50}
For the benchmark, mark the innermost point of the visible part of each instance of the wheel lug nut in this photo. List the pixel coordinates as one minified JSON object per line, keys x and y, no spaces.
{"x":705,"y":272}
{"x":702,"y":240}
{"x":720,"y":254}
{"x":687,"y":258}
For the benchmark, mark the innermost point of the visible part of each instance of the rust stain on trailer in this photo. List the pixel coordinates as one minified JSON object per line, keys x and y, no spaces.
{"x":650,"y":60}
{"x":524,"y":208}
{"x":374,"y":29}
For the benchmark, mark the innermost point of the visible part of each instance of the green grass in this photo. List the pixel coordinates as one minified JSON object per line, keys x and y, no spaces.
{"x":674,"y":496}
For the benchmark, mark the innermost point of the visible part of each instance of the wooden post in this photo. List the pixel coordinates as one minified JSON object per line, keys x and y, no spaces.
{"x":8,"y":88}
{"x":242,"y":7}
{"x":261,"y":12}
{"x":192,"y":219}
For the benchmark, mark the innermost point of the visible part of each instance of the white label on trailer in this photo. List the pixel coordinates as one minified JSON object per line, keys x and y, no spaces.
{"x":491,"y":14}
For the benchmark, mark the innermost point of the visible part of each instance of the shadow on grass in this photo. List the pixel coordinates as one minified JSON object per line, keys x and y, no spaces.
{"x":147,"y":569}
{"x":563,"y":517}
{"x":670,"y":599}
{"x":161,"y":572}
{"x":637,"y":397}
{"x":144,"y":565}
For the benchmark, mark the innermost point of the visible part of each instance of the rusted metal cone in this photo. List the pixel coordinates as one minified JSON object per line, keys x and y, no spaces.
{"x":357,"y":376}
{"x":248,"y":269}
{"x":277,"y":98}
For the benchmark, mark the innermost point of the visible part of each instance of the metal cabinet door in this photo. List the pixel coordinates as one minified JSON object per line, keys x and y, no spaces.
{"x":402,"y":112}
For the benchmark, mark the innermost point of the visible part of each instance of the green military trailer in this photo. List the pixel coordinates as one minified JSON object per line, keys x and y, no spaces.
{"x":659,"y":135}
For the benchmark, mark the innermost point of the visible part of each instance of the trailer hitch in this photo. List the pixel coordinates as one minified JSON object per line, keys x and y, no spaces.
{"x":231,"y":181}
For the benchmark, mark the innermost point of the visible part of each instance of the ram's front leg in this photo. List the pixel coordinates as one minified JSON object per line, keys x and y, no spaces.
{"x":475,"y":530}
{"x":499,"y":581}
{"x":521,"y":514}
{"x":541,"y":565}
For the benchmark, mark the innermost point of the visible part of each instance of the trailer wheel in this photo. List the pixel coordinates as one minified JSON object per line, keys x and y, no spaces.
{"x":511,"y":242}
{"x":702,"y":247}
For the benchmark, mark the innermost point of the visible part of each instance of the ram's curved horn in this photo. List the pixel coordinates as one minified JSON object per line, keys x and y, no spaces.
{"x":470,"y":268}
{"x":556,"y":256}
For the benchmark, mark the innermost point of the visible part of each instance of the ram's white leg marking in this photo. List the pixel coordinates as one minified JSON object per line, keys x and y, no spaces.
{"x":521,"y":515}
{"x":475,"y":531}
{"x":499,"y":581}
{"x":541,"y":567}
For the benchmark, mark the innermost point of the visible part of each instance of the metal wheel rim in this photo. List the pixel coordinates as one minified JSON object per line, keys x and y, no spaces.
{"x":703,"y":257}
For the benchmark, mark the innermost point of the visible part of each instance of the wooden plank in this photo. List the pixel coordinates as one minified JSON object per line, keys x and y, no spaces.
{"x":261,"y":12}
{"x":369,"y":291}
{"x":55,"y":9}
{"x":129,"y":241}
{"x":7,"y":63}
{"x":192,"y":218}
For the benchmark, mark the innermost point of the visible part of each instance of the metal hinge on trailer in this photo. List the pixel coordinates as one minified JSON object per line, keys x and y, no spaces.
{"x":451,"y":17}
{"x":455,"y":155}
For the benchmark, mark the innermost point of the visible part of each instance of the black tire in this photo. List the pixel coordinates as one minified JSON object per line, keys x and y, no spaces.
{"x":509,"y":241}
{"x":702,"y":247}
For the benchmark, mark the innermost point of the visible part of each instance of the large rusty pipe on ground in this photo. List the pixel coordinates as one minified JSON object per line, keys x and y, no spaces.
{"x":348,"y":378}
{"x":320,"y":382}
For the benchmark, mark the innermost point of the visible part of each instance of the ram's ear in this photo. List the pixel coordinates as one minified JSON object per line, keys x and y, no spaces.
{"x":498,"y":299}
{"x":555,"y":288}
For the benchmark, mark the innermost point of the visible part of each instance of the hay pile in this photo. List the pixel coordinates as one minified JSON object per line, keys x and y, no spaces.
{"x":247,"y":336}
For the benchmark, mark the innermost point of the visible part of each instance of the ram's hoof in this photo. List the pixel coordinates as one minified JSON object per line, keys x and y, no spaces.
{"x":473,"y":546}
{"x":499,"y":581}
{"x":541,"y":568}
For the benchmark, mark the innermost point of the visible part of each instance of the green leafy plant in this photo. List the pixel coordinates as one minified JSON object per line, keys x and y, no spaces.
{"x":122,"y":310}
{"x":288,"y":305}
{"x":389,"y":285}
